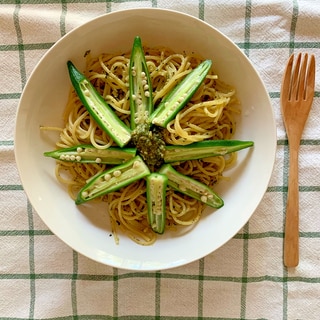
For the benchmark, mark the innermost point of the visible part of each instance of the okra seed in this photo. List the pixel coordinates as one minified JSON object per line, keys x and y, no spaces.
{"x":204,"y":198}
{"x":107,"y":177}
{"x":79,"y":149}
{"x":78,"y":158}
{"x":67,"y":157}
{"x":84,"y":194}
{"x":143,"y":74}
{"x":136,"y":164}
{"x":117,"y":173}
{"x":62,"y":157}
{"x":72,"y":158}
{"x":98,"y":160}
{"x":147,"y":94}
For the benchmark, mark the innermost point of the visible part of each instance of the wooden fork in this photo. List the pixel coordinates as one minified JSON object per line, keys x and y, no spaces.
{"x":296,"y":97}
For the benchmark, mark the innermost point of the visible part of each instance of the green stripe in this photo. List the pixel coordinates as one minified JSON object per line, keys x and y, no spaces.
{"x":247,"y":28}
{"x":243,"y":294}
{"x":201,"y":9}
{"x":158,"y":296}
{"x":277,"y":189}
{"x":238,"y":236}
{"x":20,"y":44}
{"x":74,"y":283}
{"x":115,"y":278}
{"x":278,"y":45}
{"x":241,"y":45}
{"x":63,"y":18}
{"x":260,"y":235}
{"x":285,"y":188}
{"x":36,"y":2}
{"x":27,"y":46}
{"x":200,"y":288}
{"x":8,"y":96}
{"x":276,"y":95}
{"x":10,"y":187}
{"x":108,"y":6}
{"x":274,"y":234}
{"x":294,"y":19}
{"x":23,"y":233}
{"x":31,"y":262}
{"x":7,"y":143}
{"x":130,"y":317}
{"x":207,"y":278}
{"x":303,"y":142}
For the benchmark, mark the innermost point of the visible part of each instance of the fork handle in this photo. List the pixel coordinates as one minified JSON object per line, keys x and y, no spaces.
{"x":291,"y":237}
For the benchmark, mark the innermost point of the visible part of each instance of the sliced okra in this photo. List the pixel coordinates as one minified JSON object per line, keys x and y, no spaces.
{"x":156,"y":201}
{"x":98,"y":108}
{"x":203,"y":149}
{"x":113,"y":179}
{"x":141,"y":105}
{"x":90,"y":154}
{"x":180,"y":95}
{"x":191,"y":187}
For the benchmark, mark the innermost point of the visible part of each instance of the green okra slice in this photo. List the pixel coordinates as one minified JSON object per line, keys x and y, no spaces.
{"x":113,"y":179}
{"x":141,"y":105}
{"x":98,"y":108}
{"x":203,"y":149}
{"x":191,"y":187}
{"x":90,"y":154}
{"x":156,"y":201}
{"x":179,"y":96}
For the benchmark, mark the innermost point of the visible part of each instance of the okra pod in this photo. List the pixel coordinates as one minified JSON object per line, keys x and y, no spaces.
{"x":98,"y":108}
{"x":113,"y":179}
{"x":90,"y":154}
{"x":203,"y":149}
{"x":191,"y":187}
{"x":141,"y":105}
{"x":180,"y":95}
{"x":156,"y":201}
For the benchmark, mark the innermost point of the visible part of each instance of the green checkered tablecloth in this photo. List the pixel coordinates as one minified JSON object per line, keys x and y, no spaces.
{"x":42,"y":278}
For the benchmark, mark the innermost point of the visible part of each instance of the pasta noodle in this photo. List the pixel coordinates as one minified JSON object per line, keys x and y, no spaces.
{"x":209,"y":115}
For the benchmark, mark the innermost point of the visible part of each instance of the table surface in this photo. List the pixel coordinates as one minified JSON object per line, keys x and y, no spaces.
{"x":42,"y":278}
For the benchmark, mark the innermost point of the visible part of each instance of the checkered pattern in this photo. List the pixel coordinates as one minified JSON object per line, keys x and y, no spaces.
{"x":42,"y":278}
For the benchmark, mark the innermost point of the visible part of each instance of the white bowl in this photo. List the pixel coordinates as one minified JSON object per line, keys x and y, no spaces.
{"x":87,"y":230}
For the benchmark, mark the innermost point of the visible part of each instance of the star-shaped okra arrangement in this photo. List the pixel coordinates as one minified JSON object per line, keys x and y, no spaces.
{"x":147,"y":157}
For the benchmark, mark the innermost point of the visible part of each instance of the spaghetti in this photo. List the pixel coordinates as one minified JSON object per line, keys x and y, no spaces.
{"x":210,"y":114}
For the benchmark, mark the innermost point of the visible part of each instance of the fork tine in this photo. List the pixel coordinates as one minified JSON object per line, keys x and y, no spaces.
{"x":301,"y":90}
{"x":286,"y":85}
{"x":295,"y":79}
{"x":310,"y":81}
